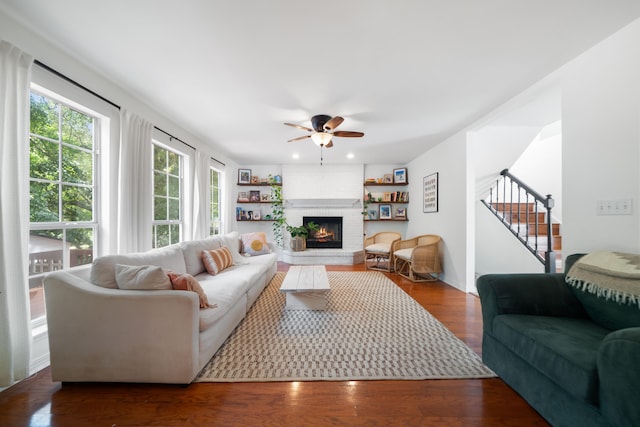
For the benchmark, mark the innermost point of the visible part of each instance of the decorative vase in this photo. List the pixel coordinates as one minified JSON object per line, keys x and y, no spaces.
{"x":298,"y":244}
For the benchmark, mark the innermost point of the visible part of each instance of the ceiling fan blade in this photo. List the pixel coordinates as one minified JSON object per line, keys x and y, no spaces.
{"x":299,"y":138}
{"x":329,"y":145}
{"x":299,"y":127}
{"x":333,"y":123}
{"x":348,"y":134}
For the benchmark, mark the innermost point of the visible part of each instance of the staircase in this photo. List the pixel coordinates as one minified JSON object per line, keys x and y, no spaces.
{"x":522,"y":219}
{"x":526,"y":214}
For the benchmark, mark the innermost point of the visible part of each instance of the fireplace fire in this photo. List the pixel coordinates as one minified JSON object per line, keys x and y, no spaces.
{"x":329,"y":234}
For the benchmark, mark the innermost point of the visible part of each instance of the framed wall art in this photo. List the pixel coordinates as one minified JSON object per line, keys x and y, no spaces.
{"x":385,"y":211}
{"x":400,"y":176}
{"x":430,"y":191}
{"x":244,"y":176}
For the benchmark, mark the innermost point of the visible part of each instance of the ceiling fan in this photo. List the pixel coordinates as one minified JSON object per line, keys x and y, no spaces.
{"x":324,"y":129}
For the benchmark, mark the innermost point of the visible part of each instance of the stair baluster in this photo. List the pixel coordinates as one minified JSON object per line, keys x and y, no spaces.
{"x":523,"y":190}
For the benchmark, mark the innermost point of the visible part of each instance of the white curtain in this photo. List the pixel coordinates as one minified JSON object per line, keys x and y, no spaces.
{"x":200,"y":196}
{"x":15,"y":318}
{"x":135,"y":194}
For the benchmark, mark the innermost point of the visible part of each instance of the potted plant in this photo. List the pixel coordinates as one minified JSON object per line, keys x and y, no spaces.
{"x":299,"y":235}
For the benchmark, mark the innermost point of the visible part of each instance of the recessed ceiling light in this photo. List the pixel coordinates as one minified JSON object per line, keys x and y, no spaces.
{"x":295,"y":156}
{"x":350,"y":156}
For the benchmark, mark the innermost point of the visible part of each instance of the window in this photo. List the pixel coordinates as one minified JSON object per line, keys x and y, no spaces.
{"x":167,"y":196}
{"x":215,"y":185}
{"x":62,"y":191}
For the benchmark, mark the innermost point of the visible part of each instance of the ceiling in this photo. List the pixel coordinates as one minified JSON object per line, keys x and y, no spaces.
{"x":406,"y":73}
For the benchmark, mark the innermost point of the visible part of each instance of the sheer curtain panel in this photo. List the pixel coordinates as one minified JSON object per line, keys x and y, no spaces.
{"x":135,"y":196}
{"x":15,"y":319}
{"x":200,"y":196}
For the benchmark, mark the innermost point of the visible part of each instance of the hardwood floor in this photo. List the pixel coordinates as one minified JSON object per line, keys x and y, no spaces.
{"x":39,"y":402}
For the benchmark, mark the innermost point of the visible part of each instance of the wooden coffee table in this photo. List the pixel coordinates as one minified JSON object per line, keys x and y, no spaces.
{"x":306,"y":287}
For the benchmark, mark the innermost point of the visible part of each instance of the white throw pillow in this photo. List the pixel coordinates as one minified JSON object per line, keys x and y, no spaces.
{"x":142,"y":277}
{"x":232,"y":241}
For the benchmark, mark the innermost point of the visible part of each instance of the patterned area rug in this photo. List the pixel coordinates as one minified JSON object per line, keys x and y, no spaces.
{"x":371,"y":330}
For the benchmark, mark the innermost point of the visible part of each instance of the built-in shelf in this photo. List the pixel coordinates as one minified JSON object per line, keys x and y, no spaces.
{"x":386,"y":220}
{"x":252,"y":203}
{"x":387,"y":203}
{"x":259,"y":184}
{"x":383,"y":184}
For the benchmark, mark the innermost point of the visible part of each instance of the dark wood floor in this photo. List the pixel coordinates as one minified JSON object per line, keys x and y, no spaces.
{"x":40,"y":402}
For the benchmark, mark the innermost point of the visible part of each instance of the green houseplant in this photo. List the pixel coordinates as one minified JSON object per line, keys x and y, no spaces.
{"x":299,"y":235}
{"x":277,"y":210}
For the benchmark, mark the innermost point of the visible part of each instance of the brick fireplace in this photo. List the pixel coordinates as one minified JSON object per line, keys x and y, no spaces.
{"x":325,"y":191}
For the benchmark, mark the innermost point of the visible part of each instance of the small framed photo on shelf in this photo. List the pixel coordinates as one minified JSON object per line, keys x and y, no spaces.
{"x":244,"y":176}
{"x":254,"y":196}
{"x":255,"y":179}
{"x":385,"y":211}
{"x":388,"y":178}
{"x":372,"y":214}
{"x":243,"y":196}
{"x":257,"y":215}
{"x":401,"y":213}
{"x":400,"y":176}
{"x":430,"y":193}
{"x":265,"y":197}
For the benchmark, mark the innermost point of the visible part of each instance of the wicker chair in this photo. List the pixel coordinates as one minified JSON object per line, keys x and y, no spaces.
{"x":418,"y":259}
{"x":378,"y":250}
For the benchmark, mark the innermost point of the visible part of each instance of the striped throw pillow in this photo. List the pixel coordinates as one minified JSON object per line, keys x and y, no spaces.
{"x":216,"y":260}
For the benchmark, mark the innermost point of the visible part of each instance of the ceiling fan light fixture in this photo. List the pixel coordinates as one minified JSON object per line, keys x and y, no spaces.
{"x":321,"y":138}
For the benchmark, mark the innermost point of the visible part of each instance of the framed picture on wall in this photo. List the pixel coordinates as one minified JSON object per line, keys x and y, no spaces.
{"x":430,"y":193}
{"x":400,"y":176}
{"x":385,"y":211}
{"x":244,"y":176}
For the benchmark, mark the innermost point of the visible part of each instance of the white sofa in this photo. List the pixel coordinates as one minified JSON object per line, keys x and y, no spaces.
{"x":100,"y":333}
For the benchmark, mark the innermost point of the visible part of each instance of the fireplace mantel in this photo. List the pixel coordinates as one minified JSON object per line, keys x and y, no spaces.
{"x":323,"y":203}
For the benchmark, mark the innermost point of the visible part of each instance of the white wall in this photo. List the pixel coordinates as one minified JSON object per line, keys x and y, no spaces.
{"x":601,"y":140}
{"x":449,"y":160}
{"x":600,"y":160}
{"x":540,"y":166}
{"x":497,"y":250}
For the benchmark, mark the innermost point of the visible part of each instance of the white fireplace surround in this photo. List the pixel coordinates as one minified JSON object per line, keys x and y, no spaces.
{"x":328,"y":190}
{"x":323,"y":203}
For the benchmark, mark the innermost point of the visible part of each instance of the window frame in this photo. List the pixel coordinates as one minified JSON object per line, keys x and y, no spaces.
{"x":183,"y":159}
{"x":221,"y":182}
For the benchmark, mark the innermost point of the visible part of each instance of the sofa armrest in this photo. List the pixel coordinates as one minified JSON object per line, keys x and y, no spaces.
{"x":99,"y":334}
{"x":532,"y":293}
{"x":619,"y":377}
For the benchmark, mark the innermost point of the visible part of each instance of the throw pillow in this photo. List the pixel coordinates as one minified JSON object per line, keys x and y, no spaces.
{"x":141,"y":277}
{"x":255,"y":243}
{"x":232,"y":241}
{"x":186,"y":282}
{"x":217,"y":260}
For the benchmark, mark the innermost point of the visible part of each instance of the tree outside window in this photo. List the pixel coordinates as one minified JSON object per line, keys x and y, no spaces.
{"x":167,"y":196}
{"x":62,"y":191}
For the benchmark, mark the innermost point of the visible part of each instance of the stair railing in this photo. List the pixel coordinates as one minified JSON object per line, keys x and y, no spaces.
{"x":512,"y":191}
